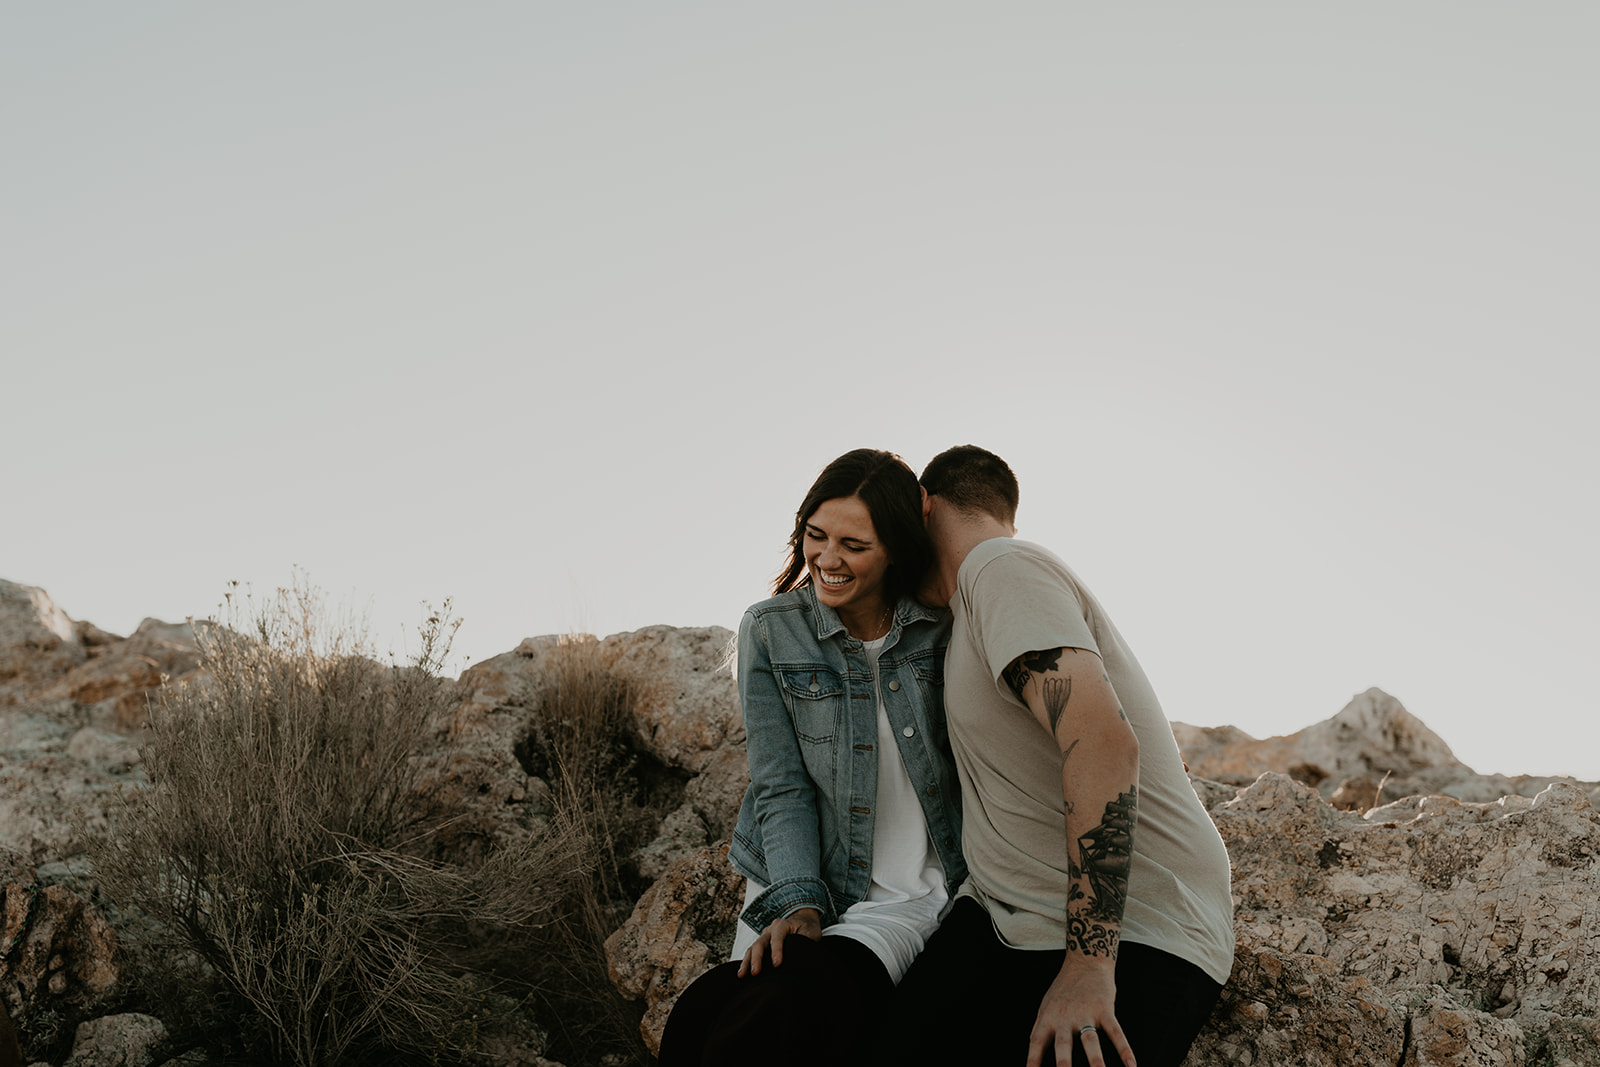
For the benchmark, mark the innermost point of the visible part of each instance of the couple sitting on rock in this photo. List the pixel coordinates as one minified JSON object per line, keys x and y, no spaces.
{"x":969,"y":836}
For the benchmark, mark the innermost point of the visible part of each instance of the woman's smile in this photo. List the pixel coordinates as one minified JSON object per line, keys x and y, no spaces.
{"x":846,"y":560}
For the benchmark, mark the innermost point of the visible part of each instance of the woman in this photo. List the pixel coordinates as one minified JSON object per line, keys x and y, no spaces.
{"x":850,"y":831}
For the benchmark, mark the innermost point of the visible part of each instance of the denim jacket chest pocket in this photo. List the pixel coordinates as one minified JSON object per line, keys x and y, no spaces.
{"x":815,"y":696}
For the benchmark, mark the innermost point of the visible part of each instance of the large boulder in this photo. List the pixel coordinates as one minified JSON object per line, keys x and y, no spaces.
{"x":687,"y":703}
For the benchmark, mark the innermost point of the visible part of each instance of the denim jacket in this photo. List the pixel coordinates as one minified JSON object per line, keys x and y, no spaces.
{"x":811,"y":729}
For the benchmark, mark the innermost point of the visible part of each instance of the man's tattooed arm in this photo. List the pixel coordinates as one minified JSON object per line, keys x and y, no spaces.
{"x":1070,"y":694}
{"x":1098,"y":873}
{"x":1056,"y":691}
{"x":1055,"y":688}
{"x":1025,"y":666}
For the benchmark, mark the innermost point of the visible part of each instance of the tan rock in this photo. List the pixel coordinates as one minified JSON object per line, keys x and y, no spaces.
{"x":38,"y":642}
{"x":681,"y":927}
{"x":1444,"y":1034}
{"x":1373,"y":735}
{"x":1478,"y":923}
{"x":685,"y":709}
{"x":56,"y":953}
{"x":688,"y":703}
{"x":121,"y":676}
{"x":46,"y":799}
{"x":29,"y":619}
{"x":128,"y":1040}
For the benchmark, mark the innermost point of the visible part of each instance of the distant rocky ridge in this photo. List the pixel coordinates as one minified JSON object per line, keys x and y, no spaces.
{"x":1391,"y":905}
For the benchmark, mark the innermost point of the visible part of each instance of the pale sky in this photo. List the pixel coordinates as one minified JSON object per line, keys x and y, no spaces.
{"x":1285,"y":316}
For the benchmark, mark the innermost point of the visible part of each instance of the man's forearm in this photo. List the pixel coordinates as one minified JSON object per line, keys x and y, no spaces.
{"x":1099,"y":858}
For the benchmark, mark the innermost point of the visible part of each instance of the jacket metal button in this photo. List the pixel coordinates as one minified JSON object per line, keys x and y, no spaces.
{"x":894,"y":685}
{"x":909,"y":731}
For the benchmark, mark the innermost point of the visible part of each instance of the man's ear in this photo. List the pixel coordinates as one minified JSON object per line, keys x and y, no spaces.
{"x":927,"y":504}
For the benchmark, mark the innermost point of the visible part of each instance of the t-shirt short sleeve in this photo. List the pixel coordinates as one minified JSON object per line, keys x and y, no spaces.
{"x":1056,"y":615}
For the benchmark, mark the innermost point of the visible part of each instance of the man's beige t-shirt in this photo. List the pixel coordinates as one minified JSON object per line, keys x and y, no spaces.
{"x":1014,"y":597}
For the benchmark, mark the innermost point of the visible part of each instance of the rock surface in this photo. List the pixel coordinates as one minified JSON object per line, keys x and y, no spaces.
{"x":72,"y":706}
{"x":1372,"y":751}
{"x":681,"y":928}
{"x":58,"y":957}
{"x":129,"y":1040}
{"x":1429,"y":931}
{"x":685,"y":710}
{"x":1391,"y":906}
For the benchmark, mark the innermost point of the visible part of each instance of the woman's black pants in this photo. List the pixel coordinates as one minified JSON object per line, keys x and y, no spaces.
{"x":820,"y":1007}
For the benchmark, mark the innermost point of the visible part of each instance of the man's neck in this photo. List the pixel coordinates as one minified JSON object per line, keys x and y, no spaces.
{"x":956,"y":542}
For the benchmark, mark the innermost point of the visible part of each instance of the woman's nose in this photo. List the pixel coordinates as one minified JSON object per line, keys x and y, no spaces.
{"x":829,"y":557}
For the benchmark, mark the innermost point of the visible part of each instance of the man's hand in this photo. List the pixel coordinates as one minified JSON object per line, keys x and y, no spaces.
{"x":806,"y":922}
{"x":1083,"y":995}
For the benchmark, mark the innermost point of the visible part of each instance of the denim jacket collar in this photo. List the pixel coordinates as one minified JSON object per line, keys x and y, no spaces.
{"x":909,"y":610}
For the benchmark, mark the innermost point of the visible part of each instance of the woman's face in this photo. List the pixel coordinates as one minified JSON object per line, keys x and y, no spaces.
{"x":844,"y":557}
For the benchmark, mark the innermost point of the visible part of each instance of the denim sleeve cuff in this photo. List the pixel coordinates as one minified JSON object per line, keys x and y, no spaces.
{"x":785,"y":898}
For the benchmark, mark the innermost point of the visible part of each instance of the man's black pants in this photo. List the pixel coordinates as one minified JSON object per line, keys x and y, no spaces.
{"x":970,"y":999}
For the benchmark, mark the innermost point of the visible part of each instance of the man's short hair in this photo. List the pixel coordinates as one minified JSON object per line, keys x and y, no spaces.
{"x":973,"y":479}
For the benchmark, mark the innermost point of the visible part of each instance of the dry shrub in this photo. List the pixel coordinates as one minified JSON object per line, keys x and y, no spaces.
{"x":280,"y":846}
{"x":582,"y":744}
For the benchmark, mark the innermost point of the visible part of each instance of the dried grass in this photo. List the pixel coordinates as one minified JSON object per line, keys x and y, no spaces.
{"x":280,"y":846}
{"x":582,"y":744}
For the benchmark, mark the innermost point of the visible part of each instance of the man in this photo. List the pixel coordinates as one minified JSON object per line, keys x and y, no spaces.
{"x":1096,"y":924}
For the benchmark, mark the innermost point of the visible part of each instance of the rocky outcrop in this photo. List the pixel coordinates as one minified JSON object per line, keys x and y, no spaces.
{"x":72,"y":704}
{"x":1372,"y":752}
{"x":37,"y":639}
{"x":119,"y":675}
{"x":687,"y":713}
{"x":1391,"y":905}
{"x":1429,"y":931}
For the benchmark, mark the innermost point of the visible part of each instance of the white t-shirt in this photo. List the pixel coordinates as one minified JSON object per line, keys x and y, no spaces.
{"x":906,"y":897}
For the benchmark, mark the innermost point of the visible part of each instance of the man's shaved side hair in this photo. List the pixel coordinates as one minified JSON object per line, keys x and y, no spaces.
{"x":973,"y":479}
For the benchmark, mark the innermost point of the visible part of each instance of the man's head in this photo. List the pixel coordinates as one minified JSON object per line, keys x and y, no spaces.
{"x":973,"y":481}
{"x":968,"y":496}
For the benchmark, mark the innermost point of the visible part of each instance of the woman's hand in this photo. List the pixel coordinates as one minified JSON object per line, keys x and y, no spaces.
{"x":806,"y":922}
